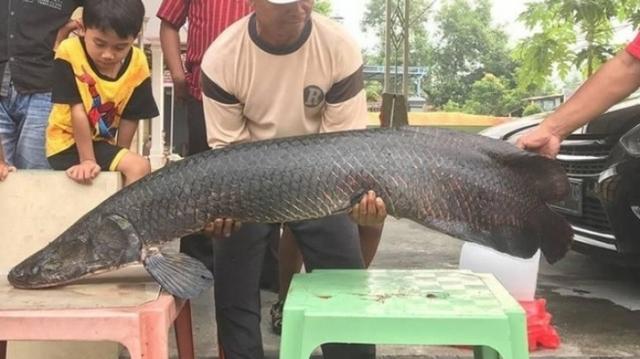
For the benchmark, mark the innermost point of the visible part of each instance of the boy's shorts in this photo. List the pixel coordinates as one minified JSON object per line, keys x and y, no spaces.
{"x":108,"y":156}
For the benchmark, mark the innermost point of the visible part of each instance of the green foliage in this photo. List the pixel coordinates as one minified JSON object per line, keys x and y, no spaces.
{"x":373,"y":90}
{"x":532,"y":109}
{"x":452,"y":106}
{"x":323,"y":7}
{"x":490,"y":96}
{"x":466,"y":47}
{"x":559,"y":26}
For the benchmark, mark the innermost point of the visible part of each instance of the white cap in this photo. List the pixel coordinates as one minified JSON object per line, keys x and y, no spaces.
{"x":282,"y":1}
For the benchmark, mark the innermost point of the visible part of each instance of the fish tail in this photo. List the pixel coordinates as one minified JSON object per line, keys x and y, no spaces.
{"x":553,"y":232}
{"x":550,"y":182}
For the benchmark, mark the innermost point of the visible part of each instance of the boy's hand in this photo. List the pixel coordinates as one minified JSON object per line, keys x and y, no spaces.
{"x":221,"y":227}
{"x":370,"y":211}
{"x":84,"y":172}
{"x":4,"y":170}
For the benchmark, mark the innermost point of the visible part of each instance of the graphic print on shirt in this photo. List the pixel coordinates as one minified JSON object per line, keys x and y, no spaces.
{"x":101,"y":115}
{"x":313,"y":96}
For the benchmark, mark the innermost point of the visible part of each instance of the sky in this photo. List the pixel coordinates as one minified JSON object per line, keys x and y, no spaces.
{"x":504,"y":12}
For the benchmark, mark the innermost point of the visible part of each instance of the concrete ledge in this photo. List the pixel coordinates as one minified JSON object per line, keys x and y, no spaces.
{"x":35,"y":207}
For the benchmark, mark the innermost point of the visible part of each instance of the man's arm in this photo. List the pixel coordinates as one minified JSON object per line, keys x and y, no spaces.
{"x":173,"y":14}
{"x":170,"y":43}
{"x":87,"y":169}
{"x":223,"y":112}
{"x":614,"y":81}
{"x":73,"y":25}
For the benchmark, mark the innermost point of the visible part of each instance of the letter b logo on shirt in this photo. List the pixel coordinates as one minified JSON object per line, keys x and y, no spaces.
{"x":313,"y":96}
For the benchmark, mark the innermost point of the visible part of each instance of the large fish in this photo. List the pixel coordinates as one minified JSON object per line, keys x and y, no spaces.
{"x":471,"y":187}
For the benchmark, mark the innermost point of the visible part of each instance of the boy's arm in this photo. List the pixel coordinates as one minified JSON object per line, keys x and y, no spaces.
{"x":88,"y":168}
{"x":126,"y":131}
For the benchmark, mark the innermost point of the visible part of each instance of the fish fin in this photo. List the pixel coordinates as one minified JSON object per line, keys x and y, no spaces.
{"x":179,"y":274}
{"x":355,"y":199}
{"x":553,"y":231}
{"x":544,"y":174}
{"x":544,"y":230}
{"x":506,"y":239}
{"x":127,"y":229}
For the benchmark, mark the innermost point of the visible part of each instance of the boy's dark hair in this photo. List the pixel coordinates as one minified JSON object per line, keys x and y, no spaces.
{"x":122,"y":16}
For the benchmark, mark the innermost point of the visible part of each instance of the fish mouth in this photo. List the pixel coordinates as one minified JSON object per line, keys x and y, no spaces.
{"x":20,"y":279}
{"x":25,"y":277}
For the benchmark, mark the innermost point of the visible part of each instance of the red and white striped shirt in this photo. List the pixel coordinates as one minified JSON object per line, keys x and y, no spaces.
{"x":207,"y":19}
{"x":634,"y":47}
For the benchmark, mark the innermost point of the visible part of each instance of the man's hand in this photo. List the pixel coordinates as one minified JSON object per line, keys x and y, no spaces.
{"x":370,"y":211}
{"x":180,"y":87}
{"x":541,"y":140}
{"x":74,"y":26}
{"x":221,"y":227}
{"x":84,"y":172}
{"x":4,"y":170}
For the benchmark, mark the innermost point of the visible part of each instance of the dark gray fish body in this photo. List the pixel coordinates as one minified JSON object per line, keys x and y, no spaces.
{"x":471,"y":187}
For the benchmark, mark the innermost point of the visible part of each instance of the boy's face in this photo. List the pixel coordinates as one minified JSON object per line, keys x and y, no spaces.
{"x":106,"y":49}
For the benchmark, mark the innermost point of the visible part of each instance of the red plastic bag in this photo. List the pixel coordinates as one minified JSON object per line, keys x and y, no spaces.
{"x":540,"y":332}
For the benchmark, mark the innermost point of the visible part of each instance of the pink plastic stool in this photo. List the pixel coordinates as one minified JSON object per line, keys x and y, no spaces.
{"x":143,"y":330}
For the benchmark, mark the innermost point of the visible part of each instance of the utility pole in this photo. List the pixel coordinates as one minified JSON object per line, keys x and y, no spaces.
{"x":396,"y":38}
{"x":397,"y":46}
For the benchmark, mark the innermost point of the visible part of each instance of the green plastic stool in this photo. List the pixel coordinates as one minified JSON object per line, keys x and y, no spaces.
{"x":420,"y":307}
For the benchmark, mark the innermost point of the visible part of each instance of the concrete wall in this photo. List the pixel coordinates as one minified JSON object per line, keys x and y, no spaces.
{"x":35,"y":207}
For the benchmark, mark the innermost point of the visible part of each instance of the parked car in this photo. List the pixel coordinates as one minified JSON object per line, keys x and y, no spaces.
{"x":602,"y":160}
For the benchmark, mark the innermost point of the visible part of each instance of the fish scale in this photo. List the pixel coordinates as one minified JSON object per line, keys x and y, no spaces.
{"x":471,"y":187}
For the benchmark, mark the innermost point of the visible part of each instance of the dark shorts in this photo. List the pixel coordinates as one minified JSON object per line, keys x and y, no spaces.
{"x":108,"y":156}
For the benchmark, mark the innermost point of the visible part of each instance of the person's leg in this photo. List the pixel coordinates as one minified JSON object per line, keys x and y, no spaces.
{"x":269,"y":278}
{"x":30,"y":151}
{"x":289,"y":263}
{"x":237,"y":266}
{"x":332,"y":242}
{"x":197,"y":245}
{"x":197,"y":131}
{"x":133,"y":167}
{"x":9,"y":133}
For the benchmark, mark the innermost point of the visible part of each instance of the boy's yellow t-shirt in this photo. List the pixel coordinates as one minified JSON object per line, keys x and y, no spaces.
{"x":106,"y":100}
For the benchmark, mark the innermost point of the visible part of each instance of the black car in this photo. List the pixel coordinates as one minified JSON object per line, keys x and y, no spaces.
{"x":602,"y":161}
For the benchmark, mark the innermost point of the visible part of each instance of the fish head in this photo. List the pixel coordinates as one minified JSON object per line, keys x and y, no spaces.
{"x":87,"y":247}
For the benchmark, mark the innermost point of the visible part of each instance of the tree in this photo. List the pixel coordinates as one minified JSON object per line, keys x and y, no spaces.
{"x":374,"y":90}
{"x":467,"y":46}
{"x":323,"y":7}
{"x":532,"y":109}
{"x":570,"y":34}
{"x":491,"y":96}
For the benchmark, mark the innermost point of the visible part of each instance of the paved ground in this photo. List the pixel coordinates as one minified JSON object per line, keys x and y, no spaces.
{"x":595,"y":308}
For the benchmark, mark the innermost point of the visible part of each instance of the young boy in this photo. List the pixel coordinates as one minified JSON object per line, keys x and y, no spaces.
{"x":102,"y":87}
